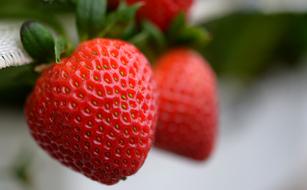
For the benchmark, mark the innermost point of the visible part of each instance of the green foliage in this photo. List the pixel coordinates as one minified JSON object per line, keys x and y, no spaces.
{"x":247,"y":44}
{"x":21,"y":170}
{"x":155,"y":34}
{"x":153,"y":42}
{"x":181,"y":33}
{"x":40,"y":43}
{"x":150,"y":40}
{"x":61,"y":46}
{"x":121,"y":23}
{"x":16,"y":83}
{"x":39,"y":10}
{"x":91,"y":16}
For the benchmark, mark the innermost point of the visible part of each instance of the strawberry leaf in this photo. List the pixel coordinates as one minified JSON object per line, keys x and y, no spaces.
{"x":178,"y":23}
{"x":121,"y":23}
{"x":150,"y":40}
{"x":37,"y":40}
{"x":155,"y":34}
{"x":41,"y":44}
{"x":182,"y":34}
{"x":195,"y":37}
{"x":91,"y":15}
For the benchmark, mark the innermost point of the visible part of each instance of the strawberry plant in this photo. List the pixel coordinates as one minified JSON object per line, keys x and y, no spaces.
{"x":97,"y":104}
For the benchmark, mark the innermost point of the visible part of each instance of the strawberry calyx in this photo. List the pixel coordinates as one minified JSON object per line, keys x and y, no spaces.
{"x":93,"y":19}
{"x":153,"y":42}
{"x":40,"y":43}
{"x":180,"y":33}
{"x":121,"y":23}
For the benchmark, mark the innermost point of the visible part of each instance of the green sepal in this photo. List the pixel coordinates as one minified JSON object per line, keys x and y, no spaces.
{"x":38,"y":41}
{"x":176,"y":25}
{"x":182,"y":34}
{"x":41,"y":44}
{"x":121,"y":23}
{"x":91,"y":17}
{"x":59,"y":48}
{"x":150,"y":39}
{"x":155,"y":34}
{"x":195,"y":37}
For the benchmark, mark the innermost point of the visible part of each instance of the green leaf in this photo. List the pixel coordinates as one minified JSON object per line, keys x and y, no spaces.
{"x":150,"y":40}
{"x":129,"y":10}
{"x":155,"y":34}
{"x":37,"y":40}
{"x":196,"y":37}
{"x":244,"y":50}
{"x":91,"y":15}
{"x":182,"y":34}
{"x":38,"y":10}
{"x":121,"y":23}
{"x":40,"y":43}
{"x":20,"y":169}
{"x":59,"y":48}
{"x":176,"y":25}
{"x":140,"y":40}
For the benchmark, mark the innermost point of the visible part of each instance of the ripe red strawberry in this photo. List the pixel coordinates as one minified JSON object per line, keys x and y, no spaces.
{"x":160,"y":12}
{"x":95,"y":112}
{"x":187,"y":123}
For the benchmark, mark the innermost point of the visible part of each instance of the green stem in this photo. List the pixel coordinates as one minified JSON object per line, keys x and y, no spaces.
{"x":139,"y":39}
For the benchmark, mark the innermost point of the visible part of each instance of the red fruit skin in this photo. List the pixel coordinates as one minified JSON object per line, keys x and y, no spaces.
{"x":113,"y":4}
{"x":160,"y":12}
{"x":96,"y":111}
{"x":187,"y":123}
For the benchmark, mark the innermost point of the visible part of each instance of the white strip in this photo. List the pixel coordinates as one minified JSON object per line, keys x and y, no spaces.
{"x":206,"y":10}
{"x":278,"y":5}
{"x":11,"y":50}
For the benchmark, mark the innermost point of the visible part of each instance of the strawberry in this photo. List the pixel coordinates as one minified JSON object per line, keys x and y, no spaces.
{"x":95,"y":112}
{"x":160,"y":12}
{"x":187,"y":123}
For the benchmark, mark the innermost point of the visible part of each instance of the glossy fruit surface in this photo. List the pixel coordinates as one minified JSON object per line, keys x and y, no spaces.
{"x":188,"y":117}
{"x":96,"y":111}
{"x":160,"y":12}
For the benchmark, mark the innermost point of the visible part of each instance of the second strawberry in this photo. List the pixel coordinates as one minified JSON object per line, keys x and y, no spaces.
{"x":188,"y":116}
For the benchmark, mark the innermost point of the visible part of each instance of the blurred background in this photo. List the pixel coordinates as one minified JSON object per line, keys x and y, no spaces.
{"x":259,"y":52}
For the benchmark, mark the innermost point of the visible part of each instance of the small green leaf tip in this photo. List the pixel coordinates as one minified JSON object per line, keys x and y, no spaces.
{"x":195,"y":37}
{"x":155,"y":34}
{"x":176,"y":25}
{"x":91,"y":16}
{"x":182,"y":34}
{"x":38,"y":41}
{"x":121,"y":23}
{"x":59,"y":48}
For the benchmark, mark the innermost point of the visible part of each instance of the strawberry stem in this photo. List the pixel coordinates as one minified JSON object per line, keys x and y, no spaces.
{"x":91,"y":16}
